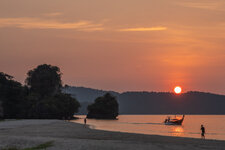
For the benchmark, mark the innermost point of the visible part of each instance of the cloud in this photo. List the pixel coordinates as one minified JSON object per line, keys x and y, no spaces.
{"x":143,"y":29}
{"x":37,"y":23}
{"x":210,"y":5}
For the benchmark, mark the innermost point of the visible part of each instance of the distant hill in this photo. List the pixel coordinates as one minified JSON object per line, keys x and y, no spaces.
{"x":154,"y":102}
{"x":85,"y":96}
{"x":169,"y":103}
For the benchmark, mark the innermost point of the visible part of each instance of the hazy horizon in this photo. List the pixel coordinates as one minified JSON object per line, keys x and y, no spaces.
{"x":129,"y":45}
{"x":120,"y":92}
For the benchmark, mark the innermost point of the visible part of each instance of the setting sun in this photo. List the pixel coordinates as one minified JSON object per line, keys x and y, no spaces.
{"x":177,"y":89}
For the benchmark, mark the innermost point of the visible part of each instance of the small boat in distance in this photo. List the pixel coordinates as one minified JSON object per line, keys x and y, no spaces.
{"x":175,"y":121}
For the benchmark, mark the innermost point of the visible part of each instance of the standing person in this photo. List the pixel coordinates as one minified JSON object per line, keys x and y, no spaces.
{"x":85,"y":121}
{"x":203,"y":132}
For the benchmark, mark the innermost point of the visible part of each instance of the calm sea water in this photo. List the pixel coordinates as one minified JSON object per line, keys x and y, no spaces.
{"x":153,"y":124}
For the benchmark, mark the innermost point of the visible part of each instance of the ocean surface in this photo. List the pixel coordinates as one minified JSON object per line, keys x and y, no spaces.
{"x":153,"y":124}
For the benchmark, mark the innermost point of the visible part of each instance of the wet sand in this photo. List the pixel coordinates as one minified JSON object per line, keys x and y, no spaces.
{"x":74,"y":136}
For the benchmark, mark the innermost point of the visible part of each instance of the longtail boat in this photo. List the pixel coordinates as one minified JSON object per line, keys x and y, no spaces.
{"x":175,"y":121}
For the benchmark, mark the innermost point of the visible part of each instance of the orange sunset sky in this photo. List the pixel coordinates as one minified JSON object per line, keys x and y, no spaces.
{"x":121,"y":45}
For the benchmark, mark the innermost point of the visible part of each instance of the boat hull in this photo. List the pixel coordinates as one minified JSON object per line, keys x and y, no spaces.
{"x":174,"y":121}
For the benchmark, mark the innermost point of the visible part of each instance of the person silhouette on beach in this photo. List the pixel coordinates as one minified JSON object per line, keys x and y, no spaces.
{"x":85,"y":121}
{"x":203,"y":132}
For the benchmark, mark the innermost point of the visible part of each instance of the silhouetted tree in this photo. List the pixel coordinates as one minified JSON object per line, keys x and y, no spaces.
{"x":12,"y":94}
{"x":41,"y":98}
{"x":58,"y":106}
{"x":45,"y":99}
{"x":105,"y":107}
{"x":64,"y":105}
{"x":44,"y":80}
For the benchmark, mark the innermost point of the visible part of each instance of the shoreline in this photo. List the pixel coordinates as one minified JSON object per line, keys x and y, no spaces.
{"x":154,"y":125}
{"x":89,"y":126}
{"x":92,"y":127}
{"x":70,"y":135}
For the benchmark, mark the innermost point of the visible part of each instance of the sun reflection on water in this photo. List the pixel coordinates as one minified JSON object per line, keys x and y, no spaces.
{"x":177,"y":131}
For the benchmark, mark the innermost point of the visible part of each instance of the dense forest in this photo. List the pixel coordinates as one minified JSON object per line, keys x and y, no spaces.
{"x":44,"y":97}
{"x":39,"y":98}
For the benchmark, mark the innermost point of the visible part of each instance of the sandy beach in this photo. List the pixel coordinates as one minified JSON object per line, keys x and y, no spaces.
{"x":72,"y":136}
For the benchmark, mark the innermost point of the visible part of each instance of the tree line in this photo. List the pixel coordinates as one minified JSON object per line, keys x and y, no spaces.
{"x":41,"y":97}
